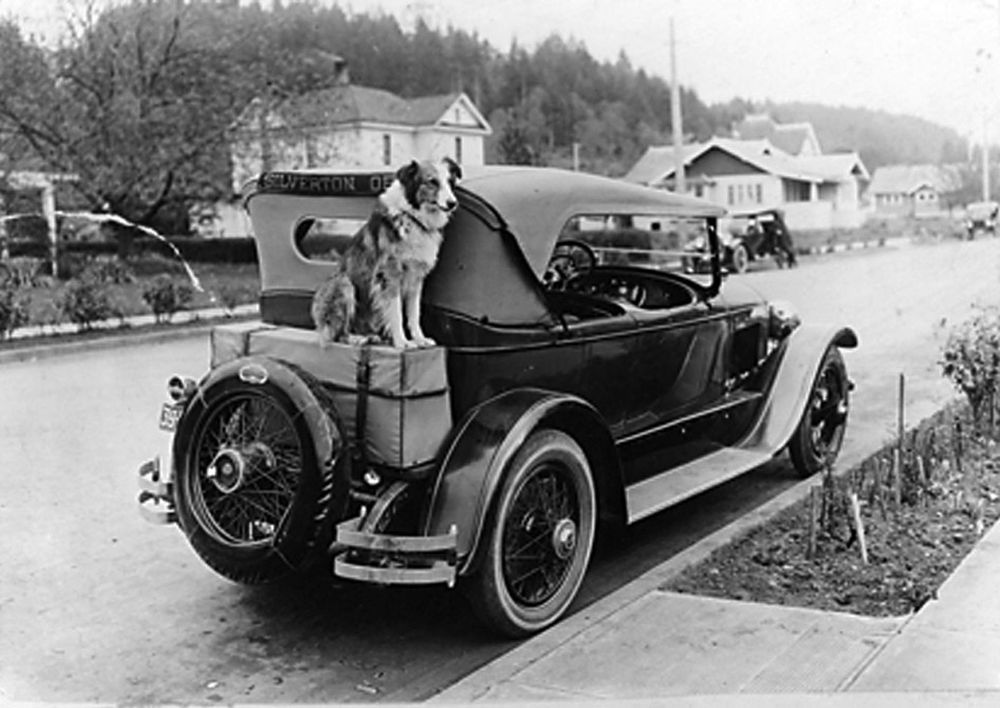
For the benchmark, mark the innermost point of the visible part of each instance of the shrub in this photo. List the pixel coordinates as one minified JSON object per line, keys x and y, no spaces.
{"x":22,"y":272}
{"x":86,"y":301}
{"x":232,"y":296}
{"x":165,"y":296}
{"x":13,"y":307}
{"x":72,"y":265}
{"x":971,"y":358}
{"x":112,"y":272}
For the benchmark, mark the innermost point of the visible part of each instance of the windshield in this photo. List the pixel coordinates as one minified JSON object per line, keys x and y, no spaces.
{"x":659,"y":242}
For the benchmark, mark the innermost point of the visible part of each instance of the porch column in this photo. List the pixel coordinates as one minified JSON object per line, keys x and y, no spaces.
{"x":49,"y":212}
{"x":813,"y":192}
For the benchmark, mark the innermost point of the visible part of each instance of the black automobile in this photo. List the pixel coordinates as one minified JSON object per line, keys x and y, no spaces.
{"x":750,"y":236}
{"x":569,"y":393}
{"x":981,"y":216}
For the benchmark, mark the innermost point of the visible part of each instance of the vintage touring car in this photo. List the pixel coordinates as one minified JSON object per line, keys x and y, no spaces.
{"x":575,"y":386}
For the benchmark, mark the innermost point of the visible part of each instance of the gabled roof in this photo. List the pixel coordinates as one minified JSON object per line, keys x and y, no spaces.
{"x":789,"y":137}
{"x":837,"y":166}
{"x":359,"y":104}
{"x":657,"y":164}
{"x":907,"y":179}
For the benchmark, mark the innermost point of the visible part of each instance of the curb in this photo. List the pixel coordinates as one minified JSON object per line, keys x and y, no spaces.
{"x":478,"y":683}
{"x":112,"y":334}
{"x":893,"y":242}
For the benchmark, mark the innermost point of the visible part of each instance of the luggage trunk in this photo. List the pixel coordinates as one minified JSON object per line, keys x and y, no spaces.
{"x":393,"y":403}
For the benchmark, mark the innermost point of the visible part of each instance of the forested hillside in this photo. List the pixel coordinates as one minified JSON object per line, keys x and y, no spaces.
{"x":138,"y":99}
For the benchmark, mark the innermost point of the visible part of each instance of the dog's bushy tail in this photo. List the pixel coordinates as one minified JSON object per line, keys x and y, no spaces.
{"x":333,"y":309}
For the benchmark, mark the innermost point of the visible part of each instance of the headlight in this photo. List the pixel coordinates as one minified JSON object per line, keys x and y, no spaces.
{"x":781,"y":319}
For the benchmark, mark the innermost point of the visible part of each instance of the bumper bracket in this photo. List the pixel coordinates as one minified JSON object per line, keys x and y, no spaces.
{"x":156,"y":495}
{"x":394,"y":560}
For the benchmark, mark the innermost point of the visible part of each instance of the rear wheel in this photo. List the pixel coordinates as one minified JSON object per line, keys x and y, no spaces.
{"x":741,"y":259}
{"x":820,"y":433}
{"x":540,"y":538}
{"x":250,"y":493}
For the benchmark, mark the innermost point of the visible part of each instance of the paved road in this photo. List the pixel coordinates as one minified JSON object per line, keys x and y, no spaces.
{"x":96,"y":605}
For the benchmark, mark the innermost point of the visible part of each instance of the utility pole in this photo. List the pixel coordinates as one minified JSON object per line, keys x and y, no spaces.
{"x":986,"y":157}
{"x":680,"y":183}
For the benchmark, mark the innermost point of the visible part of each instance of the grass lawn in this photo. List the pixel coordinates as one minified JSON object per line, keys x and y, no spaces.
{"x":222,"y":285}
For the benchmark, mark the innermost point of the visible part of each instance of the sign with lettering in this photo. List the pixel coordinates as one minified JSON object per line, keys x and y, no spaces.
{"x":369,"y":184}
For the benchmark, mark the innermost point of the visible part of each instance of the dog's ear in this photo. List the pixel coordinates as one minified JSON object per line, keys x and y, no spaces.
{"x":408,"y":173}
{"x":454,"y":169}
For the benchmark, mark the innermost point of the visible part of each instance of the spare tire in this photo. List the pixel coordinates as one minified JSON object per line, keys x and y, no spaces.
{"x":257,"y":486}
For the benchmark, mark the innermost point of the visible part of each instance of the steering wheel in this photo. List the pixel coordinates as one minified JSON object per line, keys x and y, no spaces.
{"x":570,"y":258}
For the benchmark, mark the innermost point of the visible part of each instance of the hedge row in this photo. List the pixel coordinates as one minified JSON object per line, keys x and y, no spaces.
{"x":195,"y":250}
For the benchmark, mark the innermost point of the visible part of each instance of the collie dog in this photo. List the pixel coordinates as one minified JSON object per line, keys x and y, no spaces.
{"x":376,"y":290}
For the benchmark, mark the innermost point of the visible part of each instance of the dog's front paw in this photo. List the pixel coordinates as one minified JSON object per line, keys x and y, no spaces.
{"x":403,"y":343}
{"x":424,"y":342}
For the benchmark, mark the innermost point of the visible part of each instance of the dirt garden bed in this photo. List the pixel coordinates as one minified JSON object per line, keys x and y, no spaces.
{"x":920,"y":517}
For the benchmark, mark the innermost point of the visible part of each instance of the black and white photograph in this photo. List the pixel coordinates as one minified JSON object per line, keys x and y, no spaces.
{"x":507,"y":353}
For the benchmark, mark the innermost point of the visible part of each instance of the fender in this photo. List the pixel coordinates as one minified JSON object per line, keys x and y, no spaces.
{"x":473,"y":467}
{"x":309,"y":399}
{"x":792,"y":382}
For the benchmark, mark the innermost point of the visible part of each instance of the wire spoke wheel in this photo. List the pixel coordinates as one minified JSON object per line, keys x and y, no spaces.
{"x":248,"y":461}
{"x":540,"y":537}
{"x":250,"y":493}
{"x":817,"y":441}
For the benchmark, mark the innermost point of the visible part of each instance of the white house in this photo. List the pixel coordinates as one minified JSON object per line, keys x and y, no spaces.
{"x":814,"y":190}
{"x":342,"y":127}
{"x":911,"y":190}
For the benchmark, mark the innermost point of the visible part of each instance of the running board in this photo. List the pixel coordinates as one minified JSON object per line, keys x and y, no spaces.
{"x":680,"y":483}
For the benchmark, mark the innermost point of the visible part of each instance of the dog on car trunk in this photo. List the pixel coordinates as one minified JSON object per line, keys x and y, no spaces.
{"x":376,"y":290}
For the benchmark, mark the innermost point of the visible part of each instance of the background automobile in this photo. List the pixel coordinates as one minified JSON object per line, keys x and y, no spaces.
{"x":747,"y":237}
{"x":981,"y":216}
{"x":577,"y":386}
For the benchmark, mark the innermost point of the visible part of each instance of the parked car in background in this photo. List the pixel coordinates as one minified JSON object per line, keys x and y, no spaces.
{"x":569,"y":393}
{"x":747,"y":237}
{"x":981,"y":216}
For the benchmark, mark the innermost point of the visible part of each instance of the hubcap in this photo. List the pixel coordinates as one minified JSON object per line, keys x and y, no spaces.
{"x":564,"y":538}
{"x":227,"y":471}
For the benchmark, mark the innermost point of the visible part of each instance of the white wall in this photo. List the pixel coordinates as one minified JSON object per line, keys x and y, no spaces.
{"x":771,"y":194}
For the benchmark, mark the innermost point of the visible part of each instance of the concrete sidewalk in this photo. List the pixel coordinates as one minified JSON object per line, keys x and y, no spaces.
{"x":654,"y":647}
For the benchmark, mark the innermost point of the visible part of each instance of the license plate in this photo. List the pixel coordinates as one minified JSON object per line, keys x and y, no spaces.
{"x":169,"y":415}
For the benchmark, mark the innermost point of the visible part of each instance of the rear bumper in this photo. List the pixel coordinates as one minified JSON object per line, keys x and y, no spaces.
{"x":156,"y":494}
{"x":394,"y":560}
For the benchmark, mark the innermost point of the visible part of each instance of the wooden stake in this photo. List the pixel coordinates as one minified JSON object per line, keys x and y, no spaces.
{"x":813,"y":508}
{"x":922,"y":476}
{"x":897,"y":479}
{"x":901,"y":421}
{"x":957,"y":445}
{"x":859,"y":527}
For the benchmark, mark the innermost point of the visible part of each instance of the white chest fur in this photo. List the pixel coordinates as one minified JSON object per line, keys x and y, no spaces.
{"x":417,"y":244}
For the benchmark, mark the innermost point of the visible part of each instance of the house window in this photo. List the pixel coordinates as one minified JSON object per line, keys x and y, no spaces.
{"x":730,"y":193}
{"x":759,"y":193}
{"x":699,"y":190}
{"x":386,"y":149}
{"x":796,"y":191}
{"x":458,"y":150}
